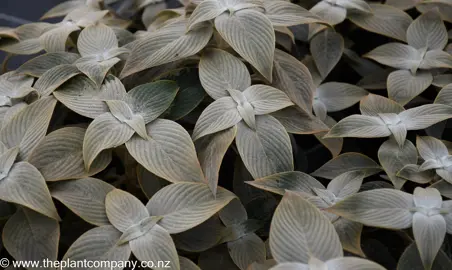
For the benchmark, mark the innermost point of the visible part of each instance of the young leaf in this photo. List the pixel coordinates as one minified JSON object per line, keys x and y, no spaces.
{"x":59,"y":156}
{"x":385,"y":208}
{"x":431,"y":148}
{"x":103,"y":133}
{"x":30,"y":236}
{"x":185,"y":205}
{"x":250,"y":33}
{"x":436,"y":59}
{"x":264,"y":156}
{"x":326,"y":49}
{"x":96,"y":71}
{"x":346,"y":184}
{"x":168,"y":152}
{"x":293,"y":237}
{"x":96,"y":40}
{"x":205,"y":11}
{"x":403,"y":85}
{"x":211,"y":150}
{"x":152,"y":99}
{"x":218,"y":116}
{"x":124,"y":210}
{"x":81,"y":95}
{"x":220,"y":70}
{"x":85,"y":197}
{"x":427,"y":31}
{"x":266,"y":99}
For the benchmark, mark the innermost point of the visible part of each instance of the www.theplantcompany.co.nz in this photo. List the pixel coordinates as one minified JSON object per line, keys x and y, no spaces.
{"x":84,"y":264}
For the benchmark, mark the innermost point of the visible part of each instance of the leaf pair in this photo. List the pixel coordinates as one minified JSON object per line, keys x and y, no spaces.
{"x":244,"y":246}
{"x":335,"y":11}
{"x":99,"y":49}
{"x":427,"y":37}
{"x":169,"y":43}
{"x":251,"y":106}
{"x":382,"y":117}
{"x":15,"y":94}
{"x":145,"y":230}
{"x":436,"y":157}
{"x":425,"y":211}
{"x":394,"y":158}
{"x":18,"y":138}
{"x":302,"y":237}
{"x":340,"y":187}
{"x":220,"y":71}
{"x":247,"y":29}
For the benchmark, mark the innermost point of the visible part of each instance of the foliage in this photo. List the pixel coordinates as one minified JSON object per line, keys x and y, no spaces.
{"x":193,"y":135}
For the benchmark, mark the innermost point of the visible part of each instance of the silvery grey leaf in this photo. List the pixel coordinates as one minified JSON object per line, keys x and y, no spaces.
{"x":347,"y":162}
{"x":403,"y":85}
{"x":219,"y":70}
{"x":411,"y":260}
{"x":326,"y":48}
{"x":30,"y":236}
{"x":85,"y":197}
{"x":294,"y":181}
{"x":427,"y":31}
{"x":299,"y":245}
{"x":384,"y":208}
{"x":396,"y":55}
{"x":252,"y":144}
{"x":37,"y":66}
{"x":258,"y":30}
{"x":393,"y":159}
{"x":294,"y":79}
{"x":218,"y":116}
{"x":381,"y":21}
{"x":331,"y":14}
{"x":373,"y":105}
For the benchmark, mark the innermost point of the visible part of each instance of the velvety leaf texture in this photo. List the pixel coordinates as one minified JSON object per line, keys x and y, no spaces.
{"x":226,"y":134}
